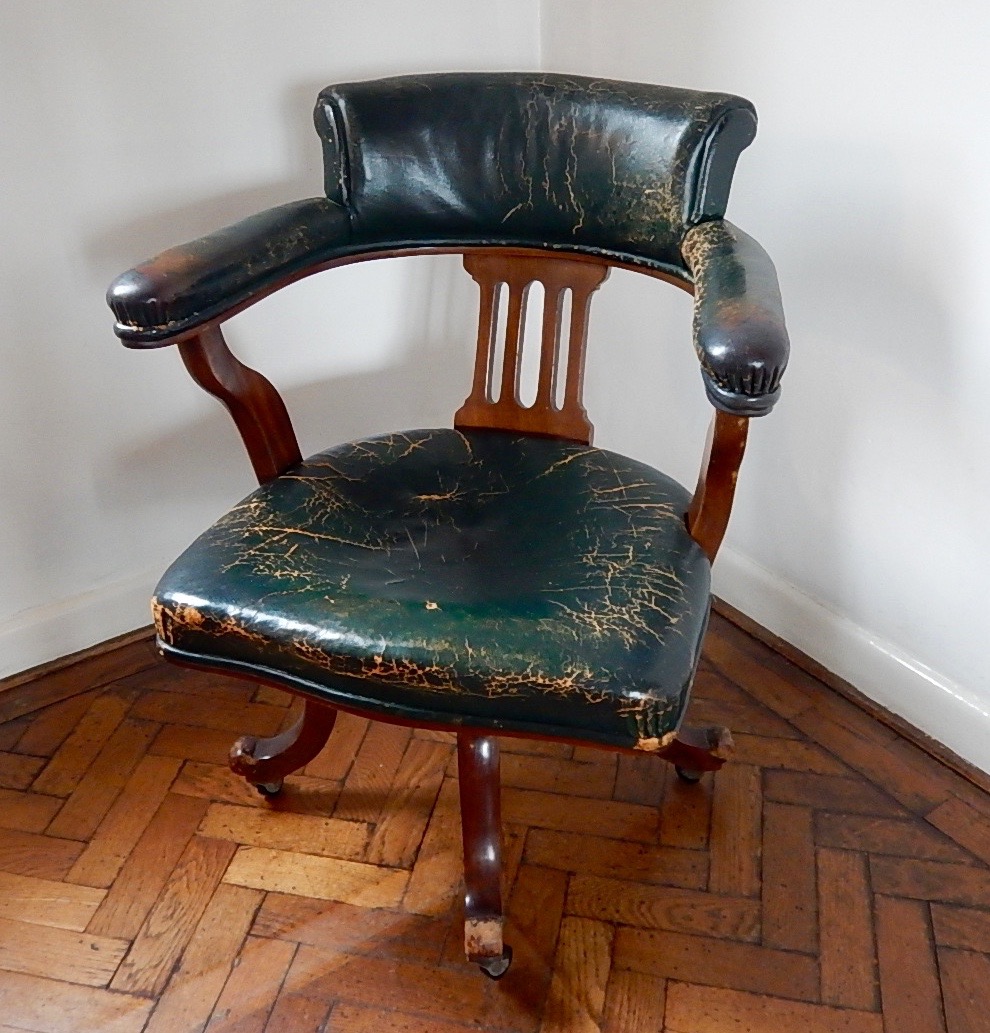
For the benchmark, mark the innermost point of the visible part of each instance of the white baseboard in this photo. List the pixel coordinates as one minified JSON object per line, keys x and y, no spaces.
{"x":897,"y":681}
{"x":45,"y":633}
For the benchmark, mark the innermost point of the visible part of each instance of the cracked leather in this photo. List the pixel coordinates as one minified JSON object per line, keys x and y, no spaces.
{"x":619,"y":170}
{"x":739,"y":330}
{"x":485,"y":579}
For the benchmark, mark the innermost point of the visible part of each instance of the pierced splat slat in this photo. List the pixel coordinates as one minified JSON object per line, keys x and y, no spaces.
{"x":501,"y":409}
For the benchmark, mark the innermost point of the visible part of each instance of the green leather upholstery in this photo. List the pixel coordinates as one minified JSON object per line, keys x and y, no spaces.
{"x":484,"y":579}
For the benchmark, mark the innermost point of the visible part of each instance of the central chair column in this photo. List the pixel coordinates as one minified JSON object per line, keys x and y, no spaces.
{"x":481,"y":827}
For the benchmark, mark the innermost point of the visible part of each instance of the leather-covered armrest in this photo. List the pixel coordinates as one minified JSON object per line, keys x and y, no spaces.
{"x":739,"y":330}
{"x":191,"y":284}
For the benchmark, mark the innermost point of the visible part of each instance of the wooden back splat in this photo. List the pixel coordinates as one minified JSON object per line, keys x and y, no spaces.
{"x":497,"y":406}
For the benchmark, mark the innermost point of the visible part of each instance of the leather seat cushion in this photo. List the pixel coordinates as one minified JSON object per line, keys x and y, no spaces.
{"x":485,"y":578}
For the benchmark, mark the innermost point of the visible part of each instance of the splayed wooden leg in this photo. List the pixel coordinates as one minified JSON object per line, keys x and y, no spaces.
{"x":697,"y":750}
{"x":481,"y":827}
{"x":266,"y":762}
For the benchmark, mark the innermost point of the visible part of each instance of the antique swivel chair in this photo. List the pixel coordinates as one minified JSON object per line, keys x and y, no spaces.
{"x":503,"y":576}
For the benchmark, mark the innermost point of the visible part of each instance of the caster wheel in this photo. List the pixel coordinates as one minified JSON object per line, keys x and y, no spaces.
{"x":269,"y":789}
{"x":687,"y":775}
{"x":495,"y":968}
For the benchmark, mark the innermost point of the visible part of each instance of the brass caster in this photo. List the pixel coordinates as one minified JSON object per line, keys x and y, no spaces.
{"x":496,"y":967}
{"x":269,"y":789}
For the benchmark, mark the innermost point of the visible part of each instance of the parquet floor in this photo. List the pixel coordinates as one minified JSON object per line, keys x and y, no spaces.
{"x":831,"y":878}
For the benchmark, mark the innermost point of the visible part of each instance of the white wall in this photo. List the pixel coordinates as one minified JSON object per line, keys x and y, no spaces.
{"x":129,"y":127}
{"x":860,"y":532}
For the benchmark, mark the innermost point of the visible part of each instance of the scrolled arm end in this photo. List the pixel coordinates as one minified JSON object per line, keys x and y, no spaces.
{"x":183,"y":287}
{"x":739,"y":330}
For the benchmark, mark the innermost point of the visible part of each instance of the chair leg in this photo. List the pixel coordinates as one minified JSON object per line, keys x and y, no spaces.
{"x":697,"y":750}
{"x":481,"y":827}
{"x":266,"y":762}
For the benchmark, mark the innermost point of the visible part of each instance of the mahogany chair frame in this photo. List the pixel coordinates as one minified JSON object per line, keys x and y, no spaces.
{"x":266,"y":430}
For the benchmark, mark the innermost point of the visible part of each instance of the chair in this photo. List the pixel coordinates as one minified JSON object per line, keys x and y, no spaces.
{"x":503,"y":576}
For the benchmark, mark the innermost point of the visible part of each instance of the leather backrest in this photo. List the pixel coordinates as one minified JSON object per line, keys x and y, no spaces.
{"x":530,"y":159}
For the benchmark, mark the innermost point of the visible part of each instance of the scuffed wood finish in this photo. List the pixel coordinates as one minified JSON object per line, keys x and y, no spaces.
{"x":481,"y":829}
{"x":497,"y":405}
{"x":268,"y":761}
{"x":711,"y":506}
{"x":255,"y":406}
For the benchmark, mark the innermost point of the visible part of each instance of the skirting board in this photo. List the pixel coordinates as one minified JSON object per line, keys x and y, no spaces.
{"x":932,"y":703}
{"x":37,"y":635}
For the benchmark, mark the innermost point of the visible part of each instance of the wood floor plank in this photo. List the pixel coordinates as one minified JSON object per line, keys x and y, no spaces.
{"x":47,"y":902}
{"x":353,"y":1018}
{"x":909,"y":979}
{"x":639,"y":779}
{"x":25,"y":853}
{"x":607,"y":818}
{"x":704,"y":1009}
{"x":435,"y":880}
{"x":104,"y":780}
{"x":284,"y":830}
{"x":148,"y":867}
{"x":846,"y":938}
{"x":576,"y":1000}
{"x":557,"y":775}
{"x":640,"y":862}
{"x":174,"y":917}
{"x":409,"y":803}
{"x":898,"y":837}
{"x":634,"y":1003}
{"x":657,"y":907}
{"x":335,"y":926}
{"x":964,"y":825}
{"x":249,"y":994}
{"x":685,"y":820}
{"x":930,"y":880}
{"x":366,"y":787}
{"x":738,"y":966}
{"x":125,"y":822}
{"x":17,"y":771}
{"x":365,"y":885}
{"x":193,"y":990}
{"x":962,"y":927}
{"x":966,"y":987}
{"x":829,"y":793}
{"x":48,"y":1006}
{"x":72,"y":759}
{"x":335,"y":760}
{"x":193,"y":742}
{"x":60,"y":954}
{"x":790,"y":894}
{"x":790,"y":754}
{"x":736,"y":832}
{"x":447,"y":994}
{"x":301,"y":794}
{"x":50,"y":727}
{"x":235,"y":717}
{"x":27,"y":812}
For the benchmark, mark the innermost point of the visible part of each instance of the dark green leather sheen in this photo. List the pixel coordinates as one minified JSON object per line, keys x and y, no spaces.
{"x":483,"y":579}
{"x":530,"y":158}
{"x":628,"y":172}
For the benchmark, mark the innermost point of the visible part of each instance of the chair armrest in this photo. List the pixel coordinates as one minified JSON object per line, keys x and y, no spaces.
{"x":739,"y":331}
{"x":189,"y":285}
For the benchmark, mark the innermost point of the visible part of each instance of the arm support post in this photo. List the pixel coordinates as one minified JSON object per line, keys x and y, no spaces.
{"x":708,"y":516}
{"x":256,"y":407}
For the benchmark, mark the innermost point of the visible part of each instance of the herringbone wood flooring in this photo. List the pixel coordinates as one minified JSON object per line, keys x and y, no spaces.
{"x":831,"y":877}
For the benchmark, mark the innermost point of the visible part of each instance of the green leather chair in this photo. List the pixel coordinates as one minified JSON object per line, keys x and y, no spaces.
{"x":502,"y":576}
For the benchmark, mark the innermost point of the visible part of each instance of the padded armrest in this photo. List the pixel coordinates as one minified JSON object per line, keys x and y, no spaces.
{"x":193,"y":283}
{"x":739,"y":330}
